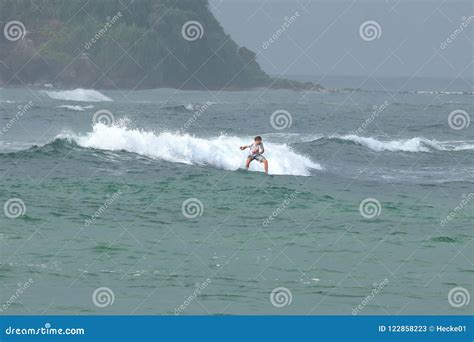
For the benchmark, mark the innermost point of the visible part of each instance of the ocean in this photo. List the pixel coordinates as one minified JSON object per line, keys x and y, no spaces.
{"x":138,"y":202}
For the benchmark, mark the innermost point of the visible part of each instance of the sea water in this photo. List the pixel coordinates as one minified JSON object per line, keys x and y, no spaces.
{"x":145,"y":193}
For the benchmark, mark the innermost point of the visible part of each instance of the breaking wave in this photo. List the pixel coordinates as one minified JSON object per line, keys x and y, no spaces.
{"x":220,"y":152}
{"x":79,"y":95}
{"x":417,"y":144}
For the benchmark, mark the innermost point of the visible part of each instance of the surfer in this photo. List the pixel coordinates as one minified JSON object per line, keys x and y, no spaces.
{"x":255,"y":153}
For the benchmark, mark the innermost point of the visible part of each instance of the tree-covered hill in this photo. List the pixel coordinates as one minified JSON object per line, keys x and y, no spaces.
{"x":124,"y":44}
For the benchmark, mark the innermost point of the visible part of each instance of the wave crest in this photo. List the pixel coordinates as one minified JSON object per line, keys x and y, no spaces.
{"x":78,"y":95}
{"x":403,"y":145}
{"x":76,"y":108}
{"x":221,"y":152}
{"x":417,"y":144}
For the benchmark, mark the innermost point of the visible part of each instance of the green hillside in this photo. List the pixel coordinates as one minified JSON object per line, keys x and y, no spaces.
{"x":125,"y":44}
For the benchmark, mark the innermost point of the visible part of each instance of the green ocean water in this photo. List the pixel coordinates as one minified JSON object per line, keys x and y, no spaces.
{"x":103,"y":205}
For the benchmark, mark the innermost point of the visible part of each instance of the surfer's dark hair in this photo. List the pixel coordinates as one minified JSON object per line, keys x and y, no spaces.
{"x":258,"y":137}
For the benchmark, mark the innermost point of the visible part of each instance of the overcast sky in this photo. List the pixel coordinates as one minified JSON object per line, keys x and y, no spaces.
{"x":325,"y":37}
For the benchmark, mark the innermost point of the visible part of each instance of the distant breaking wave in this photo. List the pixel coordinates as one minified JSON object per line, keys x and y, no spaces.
{"x":421,"y":92}
{"x":185,"y":108}
{"x":221,"y":152}
{"x":435,"y":92}
{"x":79,"y":95}
{"x":417,"y":144}
{"x":190,"y":107}
{"x":76,"y":108}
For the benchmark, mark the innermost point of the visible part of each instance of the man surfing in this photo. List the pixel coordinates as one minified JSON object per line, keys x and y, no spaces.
{"x":255,"y":153}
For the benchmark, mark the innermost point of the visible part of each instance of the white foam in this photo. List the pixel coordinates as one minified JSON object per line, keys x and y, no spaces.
{"x":406,"y":145}
{"x":76,"y":108}
{"x":435,"y":92}
{"x":292,"y":138}
{"x":220,"y":152}
{"x":417,"y":144}
{"x":462,"y":147}
{"x":79,"y":95}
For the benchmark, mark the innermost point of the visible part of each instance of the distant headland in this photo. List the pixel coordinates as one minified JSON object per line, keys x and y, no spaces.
{"x":127,"y":45}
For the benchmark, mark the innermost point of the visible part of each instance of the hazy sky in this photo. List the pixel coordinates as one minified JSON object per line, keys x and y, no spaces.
{"x":325,"y":38}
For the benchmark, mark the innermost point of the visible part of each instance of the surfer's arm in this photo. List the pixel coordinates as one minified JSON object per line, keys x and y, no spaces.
{"x":244,"y":147}
{"x":262,"y":149}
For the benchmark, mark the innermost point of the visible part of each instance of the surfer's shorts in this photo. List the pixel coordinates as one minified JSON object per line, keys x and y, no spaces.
{"x":260,"y":158}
